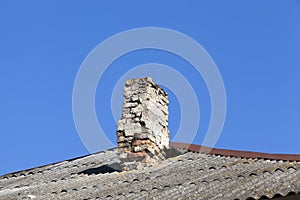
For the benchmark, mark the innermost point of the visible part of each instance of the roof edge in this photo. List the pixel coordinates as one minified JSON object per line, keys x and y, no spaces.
{"x":235,"y":153}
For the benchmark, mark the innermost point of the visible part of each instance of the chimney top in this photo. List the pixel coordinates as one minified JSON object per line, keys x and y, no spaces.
{"x":142,"y":132}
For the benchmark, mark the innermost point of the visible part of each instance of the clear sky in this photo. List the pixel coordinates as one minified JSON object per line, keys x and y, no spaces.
{"x":255,"y":44}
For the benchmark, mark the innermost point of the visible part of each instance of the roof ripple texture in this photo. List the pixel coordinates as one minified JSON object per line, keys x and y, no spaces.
{"x":190,"y":175}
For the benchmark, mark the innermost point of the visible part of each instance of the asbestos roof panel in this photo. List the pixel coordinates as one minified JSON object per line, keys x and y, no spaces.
{"x":187,"y":176}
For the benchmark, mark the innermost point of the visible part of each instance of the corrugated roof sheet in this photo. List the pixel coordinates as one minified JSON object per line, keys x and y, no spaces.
{"x":187,"y":176}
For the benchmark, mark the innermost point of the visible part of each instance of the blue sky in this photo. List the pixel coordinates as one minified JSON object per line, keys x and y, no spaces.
{"x":255,"y":44}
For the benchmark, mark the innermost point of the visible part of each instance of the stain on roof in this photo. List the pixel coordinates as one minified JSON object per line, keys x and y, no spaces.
{"x":221,"y":174}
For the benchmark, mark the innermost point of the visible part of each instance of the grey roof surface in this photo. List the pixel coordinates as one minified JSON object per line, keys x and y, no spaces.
{"x":187,"y":176}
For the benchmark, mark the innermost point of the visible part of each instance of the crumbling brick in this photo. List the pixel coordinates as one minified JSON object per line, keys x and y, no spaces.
{"x":143,"y":129}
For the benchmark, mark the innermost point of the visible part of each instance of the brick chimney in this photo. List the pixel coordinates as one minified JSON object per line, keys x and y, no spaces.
{"x":143,"y":133}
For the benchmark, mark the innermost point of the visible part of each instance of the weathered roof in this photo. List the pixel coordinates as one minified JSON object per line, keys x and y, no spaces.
{"x":191,"y":175}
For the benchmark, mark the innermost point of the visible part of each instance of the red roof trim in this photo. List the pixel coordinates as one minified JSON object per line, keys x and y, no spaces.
{"x":235,"y":153}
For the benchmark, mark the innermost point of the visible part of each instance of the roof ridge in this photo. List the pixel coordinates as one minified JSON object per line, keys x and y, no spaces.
{"x":235,"y":153}
{"x":193,"y":148}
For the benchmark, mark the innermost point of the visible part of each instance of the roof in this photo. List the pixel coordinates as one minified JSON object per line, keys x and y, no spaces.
{"x":221,"y":174}
{"x":236,"y":153}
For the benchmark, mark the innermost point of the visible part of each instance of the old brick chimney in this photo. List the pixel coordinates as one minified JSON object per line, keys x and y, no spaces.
{"x":143,"y":133}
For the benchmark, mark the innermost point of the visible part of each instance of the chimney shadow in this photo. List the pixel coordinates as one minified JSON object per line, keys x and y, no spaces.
{"x":116,"y":167}
{"x":110,"y":168}
{"x":172,"y":152}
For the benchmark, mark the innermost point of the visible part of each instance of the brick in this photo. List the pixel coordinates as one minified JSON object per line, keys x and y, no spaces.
{"x":143,"y":128}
